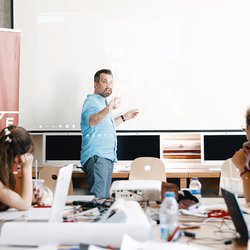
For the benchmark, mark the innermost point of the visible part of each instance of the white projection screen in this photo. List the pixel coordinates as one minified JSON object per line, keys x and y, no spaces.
{"x":185,"y":64}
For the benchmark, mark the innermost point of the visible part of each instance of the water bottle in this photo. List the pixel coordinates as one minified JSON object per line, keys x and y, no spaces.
{"x":169,"y":225}
{"x":195,"y":188}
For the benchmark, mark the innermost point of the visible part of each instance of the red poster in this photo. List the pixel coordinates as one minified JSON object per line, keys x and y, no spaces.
{"x":9,"y":77}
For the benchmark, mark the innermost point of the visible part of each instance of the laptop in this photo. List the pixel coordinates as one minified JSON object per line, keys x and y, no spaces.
{"x":236,"y":214}
{"x":55,"y":213}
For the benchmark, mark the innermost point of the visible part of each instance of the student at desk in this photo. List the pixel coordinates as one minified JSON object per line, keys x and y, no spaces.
{"x":242,"y":160}
{"x":16,"y":148}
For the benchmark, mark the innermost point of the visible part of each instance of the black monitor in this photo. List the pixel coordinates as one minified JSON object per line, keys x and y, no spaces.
{"x":131,"y":146}
{"x":61,"y":148}
{"x":217,"y":147}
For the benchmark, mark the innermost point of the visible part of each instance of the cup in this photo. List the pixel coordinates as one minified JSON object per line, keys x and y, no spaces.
{"x":38,"y":183}
{"x":231,"y":184}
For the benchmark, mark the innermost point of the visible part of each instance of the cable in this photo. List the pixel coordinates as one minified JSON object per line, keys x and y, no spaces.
{"x":210,"y":241}
{"x":219,"y":239}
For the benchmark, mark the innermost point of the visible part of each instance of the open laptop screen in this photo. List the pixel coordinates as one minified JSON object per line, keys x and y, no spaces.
{"x":236,"y":213}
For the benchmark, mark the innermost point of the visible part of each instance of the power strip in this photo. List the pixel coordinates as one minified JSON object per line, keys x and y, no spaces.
{"x":135,"y":195}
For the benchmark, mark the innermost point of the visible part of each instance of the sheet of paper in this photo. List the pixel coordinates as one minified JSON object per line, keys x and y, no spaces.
{"x":131,"y":244}
{"x":11,"y":214}
{"x":33,"y":213}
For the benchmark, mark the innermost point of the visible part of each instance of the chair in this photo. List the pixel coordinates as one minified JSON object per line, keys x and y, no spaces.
{"x":49,"y":174}
{"x":147,"y":168}
{"x":228,"y":170}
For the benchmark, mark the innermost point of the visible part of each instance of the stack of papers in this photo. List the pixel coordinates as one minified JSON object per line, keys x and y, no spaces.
{"x":199,"y":212}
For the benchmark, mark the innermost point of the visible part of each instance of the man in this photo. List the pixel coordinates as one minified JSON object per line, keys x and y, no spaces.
{"x":98,"y":152}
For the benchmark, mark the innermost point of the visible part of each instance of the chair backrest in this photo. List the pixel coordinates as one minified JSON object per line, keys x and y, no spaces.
{"x":147,"y":168}
{"x":50,"y":174}
{"x":228,"y":169}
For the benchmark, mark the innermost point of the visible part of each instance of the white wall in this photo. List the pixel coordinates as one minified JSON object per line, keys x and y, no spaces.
{"x":184,"y":63}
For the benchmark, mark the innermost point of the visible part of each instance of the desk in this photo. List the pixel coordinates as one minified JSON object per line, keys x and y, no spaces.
{"x":209,"y":178}
{"x":123,"y":217}
{"x":208,"y":231}
{"x":182,"y":174}
{"x":200,"y":232}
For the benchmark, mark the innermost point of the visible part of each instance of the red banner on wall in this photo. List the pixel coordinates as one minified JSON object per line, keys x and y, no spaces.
{"x":9,"y":77}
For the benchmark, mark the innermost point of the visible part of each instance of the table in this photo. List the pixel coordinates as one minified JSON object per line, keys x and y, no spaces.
{"x":208,"y":231}
{"x":209,"y":178}
{"x":182,"y":174}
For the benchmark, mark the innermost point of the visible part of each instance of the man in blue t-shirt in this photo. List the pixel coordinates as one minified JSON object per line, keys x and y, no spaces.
{"x":99,"y":143}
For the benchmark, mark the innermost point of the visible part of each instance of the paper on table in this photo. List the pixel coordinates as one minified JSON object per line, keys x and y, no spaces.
{"x":33,"y":213}
{"x":129,"y":243}
{"x":11,"y":214}
{"x":94,"y":247}
{"x":206,"y":207}
{"x":245,"y":207}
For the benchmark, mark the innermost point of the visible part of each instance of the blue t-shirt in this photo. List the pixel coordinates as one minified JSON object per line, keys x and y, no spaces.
{"x":101,"y":139}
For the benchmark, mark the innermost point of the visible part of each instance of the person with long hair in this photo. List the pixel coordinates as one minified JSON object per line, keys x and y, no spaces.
{"x":16,"y":148}
{"x":241,"y":159}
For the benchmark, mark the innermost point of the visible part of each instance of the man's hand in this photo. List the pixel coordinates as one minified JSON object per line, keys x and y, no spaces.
{"x":115,"y":103}
{"x":131,"y":114}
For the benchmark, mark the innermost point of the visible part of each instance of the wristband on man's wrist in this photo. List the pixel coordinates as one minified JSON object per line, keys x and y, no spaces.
{"x":123,"y":118}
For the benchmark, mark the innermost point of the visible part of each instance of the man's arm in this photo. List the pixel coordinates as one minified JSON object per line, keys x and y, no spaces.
{"x":98,"y":117}
{"x":127,"y":116}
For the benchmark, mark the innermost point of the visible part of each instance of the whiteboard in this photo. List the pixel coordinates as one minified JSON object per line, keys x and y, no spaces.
{"x":183,"y":63}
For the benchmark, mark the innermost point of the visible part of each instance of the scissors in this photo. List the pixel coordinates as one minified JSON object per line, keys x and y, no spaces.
{"x":217,"y":213}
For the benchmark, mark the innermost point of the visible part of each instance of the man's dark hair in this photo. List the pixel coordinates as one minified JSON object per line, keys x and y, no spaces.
{"x":99,"y":72}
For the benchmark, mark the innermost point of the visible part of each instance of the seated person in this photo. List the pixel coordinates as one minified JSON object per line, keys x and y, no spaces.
{"x":241,"y":159}
{"x":16,"y":148}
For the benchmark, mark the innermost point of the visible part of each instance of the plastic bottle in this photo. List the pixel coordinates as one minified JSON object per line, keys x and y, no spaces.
{"x":169,"y":218}
{"x":195,"y":188}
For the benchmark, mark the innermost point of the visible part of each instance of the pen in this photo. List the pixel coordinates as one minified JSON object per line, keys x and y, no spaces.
{"x":171,"y":236}
{"x":112,"y":212}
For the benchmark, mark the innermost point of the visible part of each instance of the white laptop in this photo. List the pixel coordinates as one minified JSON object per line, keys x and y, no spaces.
{"x":55,"y":213}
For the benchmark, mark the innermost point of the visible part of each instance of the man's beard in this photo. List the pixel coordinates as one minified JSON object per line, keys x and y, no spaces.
{"x":107,"y":92}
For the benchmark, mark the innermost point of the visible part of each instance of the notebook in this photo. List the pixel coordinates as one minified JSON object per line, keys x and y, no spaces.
{"x":55,"y":213}
{"x":236,"y":214}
